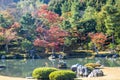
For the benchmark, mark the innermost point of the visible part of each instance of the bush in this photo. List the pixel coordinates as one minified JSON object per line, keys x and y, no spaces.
{"x":90,"y":68}
{"x":92,"y":65}
{"x":62,"y":75}
{"x":42,"y":73}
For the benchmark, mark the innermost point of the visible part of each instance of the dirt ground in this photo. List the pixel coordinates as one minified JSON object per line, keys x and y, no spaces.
{"x":13,"y":78}
{"x":111,"y":73}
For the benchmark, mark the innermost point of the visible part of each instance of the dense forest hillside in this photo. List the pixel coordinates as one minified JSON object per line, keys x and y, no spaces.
{"x":43,"y":26}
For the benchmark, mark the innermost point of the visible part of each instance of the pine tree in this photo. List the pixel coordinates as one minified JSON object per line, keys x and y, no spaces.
{"x":27,"y":26}
{"x":75,"y":12}
{"x":112,"y":22}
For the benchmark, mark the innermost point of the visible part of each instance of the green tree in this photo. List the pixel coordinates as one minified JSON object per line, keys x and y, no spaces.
{"x":75,"y":12}
{"x":26,"y":45}
{"x":55,"y":6}
{"x":66,"y":25}
{"x":66,"y":7}
{"x":100,"y":19}
{"x":112,"y":22}
{"x":27,"y":29}
{"x":89,"y":13}
{"x":97,"y":4}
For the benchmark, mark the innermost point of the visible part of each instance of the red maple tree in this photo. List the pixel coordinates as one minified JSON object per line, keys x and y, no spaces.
{"x":50,"y":38}
{"x":49,"y":33}
{"x":48,"y":16}
{"x":8,"y":34}
{"x":98,"y":38}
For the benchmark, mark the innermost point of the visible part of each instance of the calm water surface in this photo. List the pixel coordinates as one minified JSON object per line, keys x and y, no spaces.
{"x":24,"y":68}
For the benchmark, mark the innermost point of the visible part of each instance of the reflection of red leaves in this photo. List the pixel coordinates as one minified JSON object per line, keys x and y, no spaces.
{"x":98,"y":38}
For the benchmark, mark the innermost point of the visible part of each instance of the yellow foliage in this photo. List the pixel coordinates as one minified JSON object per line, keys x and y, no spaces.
{"x":7,"y":34}
{"x":7,"y":15}
{"x":67,"y":14}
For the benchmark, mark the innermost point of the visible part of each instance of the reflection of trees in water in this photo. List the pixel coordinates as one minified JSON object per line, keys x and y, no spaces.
{"x":111,"y":62}
{"x":11,"y":69}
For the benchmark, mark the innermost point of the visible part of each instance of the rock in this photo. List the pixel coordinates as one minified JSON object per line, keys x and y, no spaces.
{"x":96,"y":73}
{"x":2,"y":67}
{"x":82,"y":71}
{"x":79,"y":71}
{"x":85,"y":74}
{"x":60,"y":56}
{"x":74,"y":67}
{"x":3,"y":57}
{"x":98,"y":62}
{"x":62,"y":64}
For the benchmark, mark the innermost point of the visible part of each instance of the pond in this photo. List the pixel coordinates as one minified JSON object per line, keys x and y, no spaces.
{"x":24,"y":68}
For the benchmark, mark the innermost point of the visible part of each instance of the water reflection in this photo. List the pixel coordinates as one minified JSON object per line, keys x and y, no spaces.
{"x":24,"y":68}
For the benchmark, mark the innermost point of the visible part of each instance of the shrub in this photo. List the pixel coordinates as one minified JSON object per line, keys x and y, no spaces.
{"x":93,"y":65}
{"x":42,"y":73}
{"x":90,"y":68}
{"x":62,"y":75}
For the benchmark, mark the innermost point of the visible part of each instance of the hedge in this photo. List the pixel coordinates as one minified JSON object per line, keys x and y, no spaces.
{"x":93,"y":65}
{"x":43,"y":72}
{"x":62,"y":75}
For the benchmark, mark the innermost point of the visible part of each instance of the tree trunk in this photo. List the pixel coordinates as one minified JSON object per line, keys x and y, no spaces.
{"x":113,"y":41}
{"x":52,"y":50}
{"x":95,"y":48}
{"x":63,"y":49}
{"x":6,"y":48}
{"x":102,"y":47}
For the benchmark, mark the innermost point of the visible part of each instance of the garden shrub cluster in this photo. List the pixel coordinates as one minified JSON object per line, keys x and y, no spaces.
{"x":92,"y":65}
{"x":49,"y":73}
{"x":62,"y":75}
{"x":90,"y":68}
{"x":43,"y":73}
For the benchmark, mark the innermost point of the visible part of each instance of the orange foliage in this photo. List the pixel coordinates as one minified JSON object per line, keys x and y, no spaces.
{"x":15,"y":25}
{"x":10,"y":33}
{"x":98,"y":38}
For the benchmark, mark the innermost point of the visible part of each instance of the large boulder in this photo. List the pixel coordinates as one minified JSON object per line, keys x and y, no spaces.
{"x":96,"y":73}
{"x":87,"y":70}
{"x":2,"y":67}
{"x":74,"y":67}
{"x":82,"y":71}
